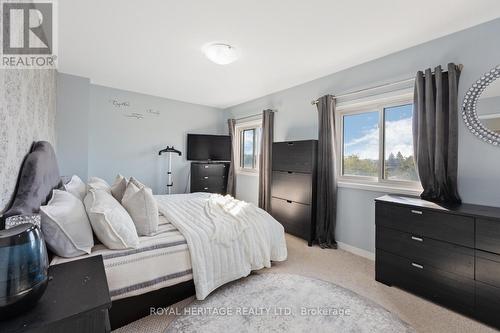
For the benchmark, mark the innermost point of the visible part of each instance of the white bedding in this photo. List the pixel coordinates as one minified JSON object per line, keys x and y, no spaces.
{"x":159,"y":261}
{"x":227,"y":238}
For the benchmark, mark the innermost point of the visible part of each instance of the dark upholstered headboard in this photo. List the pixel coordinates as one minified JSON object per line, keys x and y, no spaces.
{"x":38,"y":177}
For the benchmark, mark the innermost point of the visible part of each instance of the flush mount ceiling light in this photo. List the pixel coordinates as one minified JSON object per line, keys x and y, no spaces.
{"x":222,"y":54}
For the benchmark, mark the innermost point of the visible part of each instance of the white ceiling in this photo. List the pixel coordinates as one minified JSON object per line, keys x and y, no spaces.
{"x":154,"y":46}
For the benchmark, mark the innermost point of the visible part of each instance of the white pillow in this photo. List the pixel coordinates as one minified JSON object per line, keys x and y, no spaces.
{"x":118,"y":188}
{"x":143,"y":208}
{"x":110,"y":221}
{"x":97,"y":183}
{"x":77,"y":187}
{"x":137,"y":183}
{"x":65,"y":225}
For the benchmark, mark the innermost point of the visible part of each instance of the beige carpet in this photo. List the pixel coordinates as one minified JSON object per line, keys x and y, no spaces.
{"x":352,"y":272}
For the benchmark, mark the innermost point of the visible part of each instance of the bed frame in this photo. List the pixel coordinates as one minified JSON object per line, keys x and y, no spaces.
{"x":38,"y":177}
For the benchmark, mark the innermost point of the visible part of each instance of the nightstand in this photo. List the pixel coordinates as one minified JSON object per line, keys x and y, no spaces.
{"x":76,"y":301}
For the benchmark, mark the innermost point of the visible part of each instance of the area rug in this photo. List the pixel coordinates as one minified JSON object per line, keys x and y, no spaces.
{"x":285,"y":303}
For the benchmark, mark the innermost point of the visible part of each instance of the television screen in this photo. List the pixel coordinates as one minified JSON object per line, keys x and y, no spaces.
{"x":203,"y":147}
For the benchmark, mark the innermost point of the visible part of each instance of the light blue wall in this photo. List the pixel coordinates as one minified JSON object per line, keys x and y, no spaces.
{"x":72,"y":124}
{"x":247,"y":188}
{"x":479,"y":179}
{"x":97,"y":139}
{"x":130,"y":146}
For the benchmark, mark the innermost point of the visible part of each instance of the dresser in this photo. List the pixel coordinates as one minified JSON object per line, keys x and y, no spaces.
{"x":450,"y":255}
{"x":293,"y":187}
{"x":209,"y":177}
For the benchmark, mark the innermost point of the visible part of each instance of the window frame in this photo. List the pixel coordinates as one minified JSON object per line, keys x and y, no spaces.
{"x":239,"y":130}
{"x":378,"y":183}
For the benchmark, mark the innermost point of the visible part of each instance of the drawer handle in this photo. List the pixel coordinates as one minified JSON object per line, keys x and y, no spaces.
{"x":417,"y":265}
{"x":419,"y":212}
{"x":205,"y":177}
{"x":418,"y":239}
{"x":290,"y":143}
{"x":289,"y":201}
{"x":205,"y":166}
{"x":290,"y":172}
{"x":205,"y":188}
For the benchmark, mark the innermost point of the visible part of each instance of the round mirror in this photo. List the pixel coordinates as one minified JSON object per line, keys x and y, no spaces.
{"x":488,"y":107}
{"x":481,"y":107}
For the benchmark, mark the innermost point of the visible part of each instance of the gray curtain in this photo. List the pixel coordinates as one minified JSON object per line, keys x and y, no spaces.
{"x":266,"y":153}
{"x":326,"y":210}
{"x":435,"y":133}
{"x":231,"y":178}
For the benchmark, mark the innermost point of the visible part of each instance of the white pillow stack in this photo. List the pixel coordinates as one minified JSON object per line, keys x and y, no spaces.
{"x":142,"y":207}
{"x":77,"y":187}
{"x":71,"y":215}
{"x":65,"y":225}
{"x":110,"y":221}
{"x":118,"y":188}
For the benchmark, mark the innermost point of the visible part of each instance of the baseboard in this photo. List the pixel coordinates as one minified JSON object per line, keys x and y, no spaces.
{"x":357,"y":251}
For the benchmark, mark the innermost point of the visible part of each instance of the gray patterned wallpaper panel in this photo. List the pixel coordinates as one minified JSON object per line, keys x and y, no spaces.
{"x":27,"y":114}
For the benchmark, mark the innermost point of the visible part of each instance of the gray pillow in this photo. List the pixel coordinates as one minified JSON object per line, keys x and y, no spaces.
{"x":110,"y":221}
{"x":143,"y":209}
{"x":118,"y":187}
{"x":77,"y":187}
{"x":65,"y":225}
{"x":38,"y":177}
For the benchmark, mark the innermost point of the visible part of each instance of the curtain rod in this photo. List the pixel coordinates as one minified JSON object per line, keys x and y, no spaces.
{"x":253,"y":115}
{"x":314,"y":102}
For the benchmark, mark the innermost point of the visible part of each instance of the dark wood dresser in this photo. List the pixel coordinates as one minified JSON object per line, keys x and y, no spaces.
{"x":293,"y":187}
{"x":450,"y":255}
{"x":209,"y":177}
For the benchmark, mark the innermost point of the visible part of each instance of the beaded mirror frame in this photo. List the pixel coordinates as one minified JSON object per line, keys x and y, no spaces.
{"x":469,"y":112}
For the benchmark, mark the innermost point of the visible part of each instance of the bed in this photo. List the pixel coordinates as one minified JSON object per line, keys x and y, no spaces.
{"x":193,"y":253}
{"x":137,"y":271}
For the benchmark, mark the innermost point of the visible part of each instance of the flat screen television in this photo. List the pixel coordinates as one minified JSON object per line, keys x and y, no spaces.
{"x":204,"y":147}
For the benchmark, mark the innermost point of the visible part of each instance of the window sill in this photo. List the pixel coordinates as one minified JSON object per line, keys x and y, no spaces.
{"x":247,"y":173}
{"x":377,"y":187}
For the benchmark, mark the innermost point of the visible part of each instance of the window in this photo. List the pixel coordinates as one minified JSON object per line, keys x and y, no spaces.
{"x":361,"y":144}
{"x":376,"y":143}
{"x":249,"y":134}
{"x":398,"y":143}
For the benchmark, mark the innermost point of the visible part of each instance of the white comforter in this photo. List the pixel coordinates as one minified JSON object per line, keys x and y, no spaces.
{"x":227,"y":238}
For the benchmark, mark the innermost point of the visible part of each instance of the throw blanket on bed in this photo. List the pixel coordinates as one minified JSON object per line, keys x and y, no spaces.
{"x":227,"y":238}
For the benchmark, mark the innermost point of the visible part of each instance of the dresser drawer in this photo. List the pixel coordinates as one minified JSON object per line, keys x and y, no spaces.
{"x":298,"y":156}
{"x":199,"y":170}
{"x":295,"y":217}
{"x":488,"y":235}
{"x":488,"y":303}
{"x":209,"y":189}
{"x":447,"y":288}
{"x":211,"y":181}
{"x":446,"y":227}
{"x":292,"y":186}
{"x":427,"y":252}
{"x":488,"y":268}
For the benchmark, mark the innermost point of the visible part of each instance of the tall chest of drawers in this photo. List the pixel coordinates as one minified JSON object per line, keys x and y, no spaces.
{"x":450,"y":255}
{"x":293,"y":187}
{"x":209,"y":177}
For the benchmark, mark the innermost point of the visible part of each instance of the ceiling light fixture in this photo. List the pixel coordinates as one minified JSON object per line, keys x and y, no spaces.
{"x":222,"y":54}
